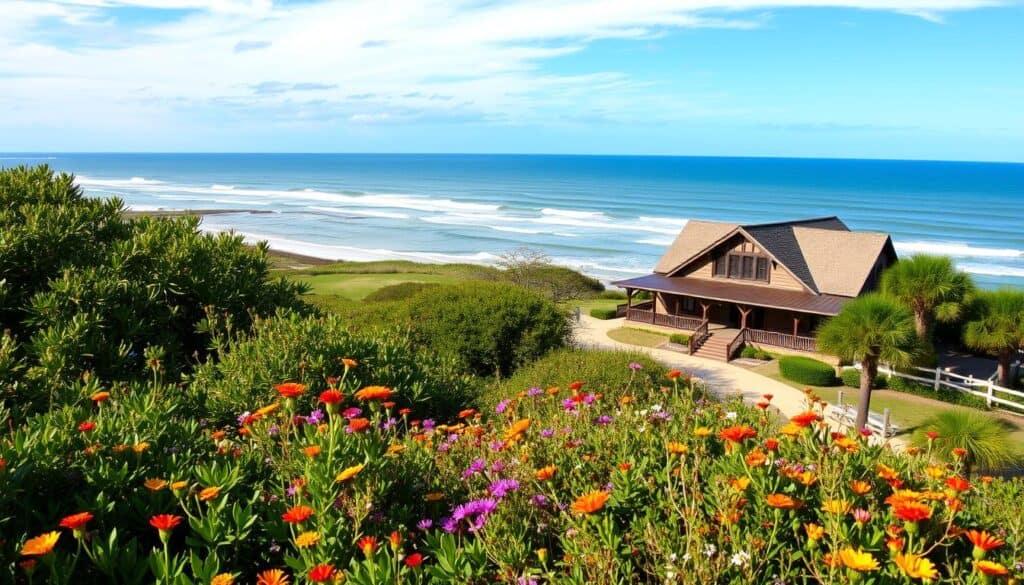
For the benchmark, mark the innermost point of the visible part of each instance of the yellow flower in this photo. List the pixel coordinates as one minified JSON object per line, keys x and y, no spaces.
{"x":740,"y":483}
{"x":349,"y":472}
{"x":916,"y":567}
{"x":835,"y":506}
{"x":140,"y":447}
{"x":935,"y":472}
{"x":307,"y":539}
{"x":676,"y":448}
{"x":155,"y":484}
{"x":434,"y":497}
{"x":814,"y":531}
{"x":179,"y":485}
{"x":858,"y":560}
{"x":223,"y":579}
{"x":40,"y":545}
{"x":701,"y":432}
{"x":791,"y":430}
{"x":209,"y":493}
{"x":268,"y":409}
{"x":395,"y":449}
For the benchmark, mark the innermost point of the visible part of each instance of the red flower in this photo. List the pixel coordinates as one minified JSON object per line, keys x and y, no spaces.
{"x":737,"y":434}
{"x":414,"y":560}
{"x":331,"y":397}
{"x":290,"y":389}
{"x":367,"y":544}
{"x":87,"y":426}
{"x":322,"y":573}
{"x":405,"y":411}
{"x":297,"y":514}
{"x":932,"y":435}
{"x":911,"y":511}
{"x":771,"y":444}
{"x":575,"y":386}
{"x":358,"y":425}
{"x":673,"y":374}
{"x":164,"y":522}
{"x":76,"y":521}
{"x":958,"y":483}
{"x":805,"y":419}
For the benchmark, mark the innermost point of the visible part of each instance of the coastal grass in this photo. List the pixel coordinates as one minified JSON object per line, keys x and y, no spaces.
{"x":357,"y":286}
{"x":641,"y":337}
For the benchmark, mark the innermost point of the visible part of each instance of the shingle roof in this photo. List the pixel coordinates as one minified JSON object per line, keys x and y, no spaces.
{"x":821,"y":252}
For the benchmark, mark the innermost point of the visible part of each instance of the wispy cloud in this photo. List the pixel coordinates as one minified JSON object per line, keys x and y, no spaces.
{"x":243,"y":46}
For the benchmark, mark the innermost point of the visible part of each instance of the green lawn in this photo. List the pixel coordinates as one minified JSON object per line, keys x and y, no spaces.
{"x":640,"y":337}
{"x":586,"y":305}
{"x":355,"y":287}
{"x":907,"y":410}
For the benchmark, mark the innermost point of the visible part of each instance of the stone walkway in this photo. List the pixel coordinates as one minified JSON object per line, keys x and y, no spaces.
{"x":723,"y":379}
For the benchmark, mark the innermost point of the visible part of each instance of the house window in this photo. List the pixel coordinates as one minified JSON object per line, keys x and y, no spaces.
{"x":689,"y":305}
{"x":742,"y":267}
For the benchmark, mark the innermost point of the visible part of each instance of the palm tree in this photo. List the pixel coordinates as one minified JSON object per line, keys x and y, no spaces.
{"x":871,"y":329}
{"x":931,"y":286}
{"x":999,"y":328}
{"x":985,"y":438}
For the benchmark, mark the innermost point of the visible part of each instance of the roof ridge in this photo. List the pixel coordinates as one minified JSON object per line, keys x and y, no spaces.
{"x":793,"y":222}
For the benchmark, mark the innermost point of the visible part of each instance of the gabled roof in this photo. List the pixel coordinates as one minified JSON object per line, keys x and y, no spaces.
{"x":822,"y":253}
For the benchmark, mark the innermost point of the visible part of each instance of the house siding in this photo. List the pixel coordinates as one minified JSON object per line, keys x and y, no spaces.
{"x":779,"y":277}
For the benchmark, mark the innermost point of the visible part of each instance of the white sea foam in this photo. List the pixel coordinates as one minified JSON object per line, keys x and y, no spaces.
{"x":991,"y":269}
{"x":134,"y":182}
{"x":577,"y":213}
{"x":675,"y":222}
{"x":957,"y":249}
{"x":137,"y":207}
{"x":222,"y":187}
{"x":655,"y":242}
{"x":360,"y":212}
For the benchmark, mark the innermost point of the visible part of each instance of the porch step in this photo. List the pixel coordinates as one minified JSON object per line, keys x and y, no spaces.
{"x":715,"y":346}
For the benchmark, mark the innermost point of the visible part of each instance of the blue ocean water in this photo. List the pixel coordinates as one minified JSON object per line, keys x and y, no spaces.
{"x":610,"y":216}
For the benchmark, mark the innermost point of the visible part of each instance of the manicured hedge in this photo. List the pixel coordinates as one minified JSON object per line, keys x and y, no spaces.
{"x":851,"y":378}
{"x":805,"y":370}
{"x":679,"y":338}
{"x":603,"y":313}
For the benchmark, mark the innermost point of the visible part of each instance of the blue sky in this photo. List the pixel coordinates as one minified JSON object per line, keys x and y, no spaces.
{"x":934,"y":79}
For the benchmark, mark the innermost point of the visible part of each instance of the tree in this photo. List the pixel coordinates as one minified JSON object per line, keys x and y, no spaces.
{"x":534,"y":270}
{"x":985,"y":438}
{"x":871,"y":329}
{"x":999,"y":328}
{"x":931,"y":286}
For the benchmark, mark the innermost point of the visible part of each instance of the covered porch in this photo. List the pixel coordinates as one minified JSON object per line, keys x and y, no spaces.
{"x":751,"y":314}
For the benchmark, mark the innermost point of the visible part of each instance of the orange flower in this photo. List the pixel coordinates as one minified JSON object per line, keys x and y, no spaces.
{"x":433,"y":497}
{"x":374,"y":393}
{"x":756,"y":458}
{"x":916,"y":567}
{"x":673,"y":374}
{"x":701,"y":432}
{"x":835,"y":506}
{"x":910,"y":511}
{"x":991,"y":568}
{"x":737,"y":434}
{"x":589,"y":503}
{"x":958,"y":483}
{"x":983,"y":542}
{"x":331,"y":397}
{"x":321,"y":573}
{"x":209,"y":493}
{"x":100,"y":397}
{"x":358,"y":425}
{"x":272,"y":577}
{"x":676,"y":448}
{"x":885,"y":472}
{"x":223,"y":579}
{"x":805,"y":419}
{"x":164,"y":522}
{"x":76,"y":522}
{"x":739,"y":483}
{"x":575,"y":385}
{"x":860,"y":487}
{"x":368,"y":544}
{"x":40,"y":545}
{"x":782,"y":501}
{"x":297,"y":514}
{"x":290,"y":389}
{"x":349,"y":472}
{"x":349,"y":362}
{"x":959,"y":452}
{"x":311,"y":451}
{"x":546,"y":473}
{"x":517,"y":429}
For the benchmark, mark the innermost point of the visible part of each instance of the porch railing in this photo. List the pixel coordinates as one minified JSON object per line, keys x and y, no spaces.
{"x":700,"y":335}
{"x":775,"y":338}
{"x":736,"y":344}
{"x":677,"y":321}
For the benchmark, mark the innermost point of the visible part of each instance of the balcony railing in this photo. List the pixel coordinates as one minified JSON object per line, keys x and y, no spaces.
{"x":775,"y":338}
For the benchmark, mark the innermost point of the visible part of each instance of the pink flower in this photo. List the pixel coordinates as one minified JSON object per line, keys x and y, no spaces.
{"x":861,"y":516}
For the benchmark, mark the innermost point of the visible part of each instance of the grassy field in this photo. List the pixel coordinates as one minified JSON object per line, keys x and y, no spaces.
{"x":907,"y":410}
{"x":641,"y":337}
{"x":355,"y":287}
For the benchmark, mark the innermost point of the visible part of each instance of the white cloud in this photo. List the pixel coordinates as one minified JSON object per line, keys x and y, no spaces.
{"x":486,"y":59}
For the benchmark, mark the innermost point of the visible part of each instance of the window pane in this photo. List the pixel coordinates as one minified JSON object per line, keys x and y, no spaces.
{"x":734,"y":266}
{"x":748,"y":267}
{"x":720,"y":266}
{"x":762,"y":269}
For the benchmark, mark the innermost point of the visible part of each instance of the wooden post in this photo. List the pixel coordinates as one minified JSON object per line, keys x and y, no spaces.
{"x":796,"y":326}
{"x":839,"y":398}
{"x":654,"y":307}
{"x":938,"y":374}
{"x":629,"y":300}
{"x":743,"y":316}
{"x":885,"y":423}
{"x":704,"y":311}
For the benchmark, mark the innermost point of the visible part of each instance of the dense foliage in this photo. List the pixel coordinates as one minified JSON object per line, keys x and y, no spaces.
{"x":805,"y":370}
{"x":604,"y":313}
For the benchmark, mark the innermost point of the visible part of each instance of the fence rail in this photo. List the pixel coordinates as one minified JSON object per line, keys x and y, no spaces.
{"x":781,"y":340}
{"x":736,"y":344}
{"x":937,"y":378}
{"x":677,"y":321}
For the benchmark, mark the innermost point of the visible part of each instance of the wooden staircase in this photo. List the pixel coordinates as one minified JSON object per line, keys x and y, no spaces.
{"x":716,"y":345}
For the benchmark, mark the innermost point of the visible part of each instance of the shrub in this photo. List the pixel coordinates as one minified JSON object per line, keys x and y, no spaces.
{"x":851,"y":378}
{"x":944,"y":394}
{"x":604,"y":314}
{"x":398,"y":292}
{"x":756,"y":353}
{"x":289,"y":347}
{"x":679,"y":338}
{"x":985,"y":438}
{"x":489,"y":328}
{"x":613,"y":294}
{"x":805,"y":370}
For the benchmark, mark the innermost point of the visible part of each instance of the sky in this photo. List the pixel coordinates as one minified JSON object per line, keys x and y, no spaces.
{"x":925,"y":79}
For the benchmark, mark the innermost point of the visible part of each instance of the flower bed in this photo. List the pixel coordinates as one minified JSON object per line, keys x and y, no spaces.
{"x":643,"y":484}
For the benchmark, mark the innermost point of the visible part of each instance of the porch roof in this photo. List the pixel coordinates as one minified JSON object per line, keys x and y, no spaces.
{"x":746,"y":294}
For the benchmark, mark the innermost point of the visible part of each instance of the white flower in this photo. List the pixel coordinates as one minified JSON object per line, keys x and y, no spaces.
{"x":672,"y":557}
{"x":740,"y":558}
{"x":656,"y":407}
{"x":686,"y":557}
{"x":710,"y":550}
{"x":731,"y":414}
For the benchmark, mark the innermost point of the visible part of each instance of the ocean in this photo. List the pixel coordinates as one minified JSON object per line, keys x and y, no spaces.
{"x":608,"y":216}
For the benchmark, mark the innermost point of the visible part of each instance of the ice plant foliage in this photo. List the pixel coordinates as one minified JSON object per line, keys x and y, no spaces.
{"x":349,"y":482}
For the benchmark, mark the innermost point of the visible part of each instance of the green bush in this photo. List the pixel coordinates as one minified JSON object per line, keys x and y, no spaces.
{"x":601,"y":371}
{"x":986,"y":439}
{"x":605,"y":314}
{"x":400,"y":291}
{"x":489,"y":328}
{"x":756,"y":353}
{"x":614,"y":294}
{"x":851,"y":377}
{"x":805,"y":370}
{"x":289,"y":347}
{"x":943,"y":393}
{"x":680,"y":338}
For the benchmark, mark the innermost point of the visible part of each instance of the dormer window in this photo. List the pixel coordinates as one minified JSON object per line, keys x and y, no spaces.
{"x":742,"y":267}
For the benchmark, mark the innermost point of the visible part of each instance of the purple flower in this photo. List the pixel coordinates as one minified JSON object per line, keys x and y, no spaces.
{"x":535,"y":391}
{"x":589,"y":399}
{"x":316,"y":417}
{"x":500,"y":488}
{"x":474,"y":513}
{"x":569,"y":404}
{"x":502,"y":406}
{"x":539,"y":500}
{"x":352,"y":412}
{"x":449,"y":524}
{"x":547,"y":433}
{"x":443,"y":447}
{"x":604,"y":419}
{"x":273,"y":430}
{"x":389,"y":424}
{"x":497,"y":445}
{"x":635,"y":366}
{"x":425,"y":524}
{"x":291,"y":491}
{"x":498,"y":466}
{"x":526,"y":581}
{"x":474,"y":468}
{"x":244,"y":417}
{"x":428,"y":425}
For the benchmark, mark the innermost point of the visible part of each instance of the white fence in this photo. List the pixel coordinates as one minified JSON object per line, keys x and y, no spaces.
{"x":993,"y":394}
